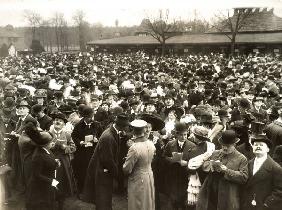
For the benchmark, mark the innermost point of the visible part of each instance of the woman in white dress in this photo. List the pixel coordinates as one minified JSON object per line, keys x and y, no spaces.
{"x":141,"y":192}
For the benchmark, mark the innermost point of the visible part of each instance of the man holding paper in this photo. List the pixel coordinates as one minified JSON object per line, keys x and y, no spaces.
{"x":85,"y":136}
{"x":103,"y":166}
{"x":176,"y":155}
{"x":228,"y":172}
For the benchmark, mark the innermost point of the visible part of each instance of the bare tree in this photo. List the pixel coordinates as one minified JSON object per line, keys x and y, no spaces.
{"x":79,"y":19}
{"x":34,"y":20}
{"x":160,"y":28}
{"x":231,"y":25}
{"x":59,"y":22}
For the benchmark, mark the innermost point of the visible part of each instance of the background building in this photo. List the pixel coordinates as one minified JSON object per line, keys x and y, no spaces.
{"x":261,"y":32}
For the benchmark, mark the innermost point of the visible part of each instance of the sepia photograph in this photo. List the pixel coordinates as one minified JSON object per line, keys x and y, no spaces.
{"x":141,"y":105}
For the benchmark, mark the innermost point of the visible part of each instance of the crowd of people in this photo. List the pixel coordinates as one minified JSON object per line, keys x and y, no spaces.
{"x":205,"y":131}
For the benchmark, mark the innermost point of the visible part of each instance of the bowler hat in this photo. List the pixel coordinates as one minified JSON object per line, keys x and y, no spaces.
{"x":155,"y":120}
{"x":228,"y":137}
{"x":180,"y":127}
{"x":261,"y":138}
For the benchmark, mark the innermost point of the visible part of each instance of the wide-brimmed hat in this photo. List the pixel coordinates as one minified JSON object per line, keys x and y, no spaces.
{"x":228,"y":137}
{"x":59,"y":115}
{"x":261,"y":138}
{"x":23,"y":103}
{"x":177,"y":110}
{"x":155,"y":120}
{"x":201,"y":133}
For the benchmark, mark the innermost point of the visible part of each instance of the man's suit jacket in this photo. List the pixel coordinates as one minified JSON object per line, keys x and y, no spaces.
{"x":265,"y":187}
{"x":176,"y":176}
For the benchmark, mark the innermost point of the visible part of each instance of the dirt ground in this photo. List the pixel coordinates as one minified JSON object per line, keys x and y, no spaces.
{"x":119,"y":203}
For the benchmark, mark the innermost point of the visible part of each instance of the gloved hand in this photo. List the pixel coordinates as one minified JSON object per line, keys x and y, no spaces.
{"x":54,"y":183}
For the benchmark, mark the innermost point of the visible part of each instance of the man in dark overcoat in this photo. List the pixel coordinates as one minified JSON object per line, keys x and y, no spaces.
{"x":85,"y":136}
{"x":177,"y":174}
{"x":264,"y":187}
{"x":103,"y":166}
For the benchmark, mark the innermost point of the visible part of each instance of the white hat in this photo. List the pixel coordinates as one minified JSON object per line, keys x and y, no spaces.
{"x":138,"y":123}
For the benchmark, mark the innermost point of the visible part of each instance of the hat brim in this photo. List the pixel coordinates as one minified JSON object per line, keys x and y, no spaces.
{"x":200,"y":137}
{"x":18,"y":106}
{"x":268,"y":142}
{"x":156,"y":122}
{"x":236,"y":140}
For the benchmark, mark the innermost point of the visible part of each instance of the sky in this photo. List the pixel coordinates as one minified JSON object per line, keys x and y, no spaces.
{"x":127,"y":12}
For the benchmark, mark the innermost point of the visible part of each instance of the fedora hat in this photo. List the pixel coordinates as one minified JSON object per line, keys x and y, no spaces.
{"x":201,"y":133}
{"x":155,"y":120}
{"x":228,"y":137}
{"x":261,"y":138}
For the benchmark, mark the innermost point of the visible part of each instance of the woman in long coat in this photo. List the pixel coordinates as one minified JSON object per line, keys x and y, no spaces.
{"x":141,"y":192}
{"x":63,"y":150}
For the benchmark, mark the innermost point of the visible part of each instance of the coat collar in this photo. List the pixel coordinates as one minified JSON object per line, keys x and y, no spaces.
{"x":264,"y":171}
{"x":114,"y":132}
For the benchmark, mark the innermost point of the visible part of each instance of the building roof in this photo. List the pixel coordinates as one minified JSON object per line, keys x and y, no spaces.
{"x":206,"y":38}
{"x":257,"y":19}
